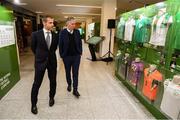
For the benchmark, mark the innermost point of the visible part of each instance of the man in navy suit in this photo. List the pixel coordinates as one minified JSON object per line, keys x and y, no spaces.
{"x":70,"y":48}
{"x":44,"y":45}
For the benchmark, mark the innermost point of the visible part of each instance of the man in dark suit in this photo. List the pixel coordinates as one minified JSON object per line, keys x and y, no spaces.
{"x":70,"y":48}
{"x":44,"y":45}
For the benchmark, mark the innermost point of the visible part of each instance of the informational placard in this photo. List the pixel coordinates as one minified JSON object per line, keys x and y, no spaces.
{"x":9,"y":66}
{"x":6,"y":35}
{"x":4,"y":81}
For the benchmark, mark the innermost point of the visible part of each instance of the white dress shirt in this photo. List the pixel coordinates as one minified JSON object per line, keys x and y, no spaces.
{"x":45,"y":34}
{"x":70,"y":31}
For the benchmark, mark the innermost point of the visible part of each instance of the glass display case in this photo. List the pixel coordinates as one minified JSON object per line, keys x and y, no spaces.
{"x":150,"y":61}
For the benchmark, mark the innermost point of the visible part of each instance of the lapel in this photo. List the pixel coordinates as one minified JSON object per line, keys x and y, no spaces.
{"x":44,"y":40}
{"x":53,"y":39}
{"x":75,"y":37}
{"x":67,"y":35}
{"x":42,"y":37}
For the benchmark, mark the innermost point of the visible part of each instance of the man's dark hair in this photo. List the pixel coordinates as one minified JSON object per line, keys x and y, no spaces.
{"x":44,"y":19}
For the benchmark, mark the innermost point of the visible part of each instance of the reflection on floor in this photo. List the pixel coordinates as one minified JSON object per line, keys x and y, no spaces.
{"x":102,"y":96}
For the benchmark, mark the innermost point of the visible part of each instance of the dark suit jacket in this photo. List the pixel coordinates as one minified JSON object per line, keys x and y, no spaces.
{"x":64,"y":42}
{"x":43,"y":55}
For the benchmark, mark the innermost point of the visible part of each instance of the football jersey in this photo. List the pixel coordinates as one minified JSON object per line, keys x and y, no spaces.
{"x":149,"y":80}
{"x":129,"y":29}
{"x":120,"y":29}
{"x":137,"y":69}
{"x":177,"y":31}
{"x":142,"y":30}
{"x":159,"y":29}
{"x":171,"y":100}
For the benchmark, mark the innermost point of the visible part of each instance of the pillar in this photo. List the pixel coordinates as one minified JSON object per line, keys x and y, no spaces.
{"x":108,"y":11}
{"x":88,"y":21}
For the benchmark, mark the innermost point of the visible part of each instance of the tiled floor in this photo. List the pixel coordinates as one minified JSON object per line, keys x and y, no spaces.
{"x":102,"y":96}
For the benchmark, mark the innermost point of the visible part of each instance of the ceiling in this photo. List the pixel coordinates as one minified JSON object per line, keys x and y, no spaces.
{"x":81,"y":9}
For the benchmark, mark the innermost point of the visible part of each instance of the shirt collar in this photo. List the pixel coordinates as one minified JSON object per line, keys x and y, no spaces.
{"x":45,"y":31}
{"x":70,"y":31}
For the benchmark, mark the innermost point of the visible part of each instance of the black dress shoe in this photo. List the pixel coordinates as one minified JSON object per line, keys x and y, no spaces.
{"x":34,"y":110}
{"x":51,"y":102}
{"x":76,"y":93}
{"x":69,"y":88}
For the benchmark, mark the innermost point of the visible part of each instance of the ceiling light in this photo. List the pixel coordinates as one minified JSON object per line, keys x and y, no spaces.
{"x":39,"y":12}
{"x":16,"y":1}
{"x":22,"y":4}
{"x":79,"y":17}
{"x":83,"y":14}
{"x":60,"y":5}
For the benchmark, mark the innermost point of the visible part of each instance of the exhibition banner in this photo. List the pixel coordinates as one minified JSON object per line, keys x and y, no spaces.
{"x":9,"y":67}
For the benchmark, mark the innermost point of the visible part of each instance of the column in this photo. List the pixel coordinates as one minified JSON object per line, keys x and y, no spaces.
{"x":108,"y":11}
{"x":88,"y":21}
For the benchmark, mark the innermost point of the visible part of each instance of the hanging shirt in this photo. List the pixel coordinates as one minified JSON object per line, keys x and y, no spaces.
{"x":120,"y":29}
{"x":129,"y":29}
{"x":159,"y":29}
{"x":142,"y":30}
{"x":177,"y":31}
{"x":171,"y":100}
{"x":150,"y":86}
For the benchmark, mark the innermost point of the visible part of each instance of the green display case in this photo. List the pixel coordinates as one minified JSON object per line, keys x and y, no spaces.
{"x":152,"y":54}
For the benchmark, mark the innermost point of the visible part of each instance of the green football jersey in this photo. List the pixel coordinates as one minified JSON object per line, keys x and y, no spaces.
{"x":120,"y":29}
{"x":142,"y":30}
{"x":177,"y":31}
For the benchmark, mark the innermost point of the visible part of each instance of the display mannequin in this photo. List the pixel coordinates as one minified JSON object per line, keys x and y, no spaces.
{"x":152,"y":77}
{"x":171,"y":98}
{"x":176,"y":79}
{"x":137,"y":68}
{"x":126,"y":61}
{"x":125,"y":65}
{"x":126,"y":58}
{"x":173,"y":64}
{"x":118,"y":58}
{"x":152,"y":68}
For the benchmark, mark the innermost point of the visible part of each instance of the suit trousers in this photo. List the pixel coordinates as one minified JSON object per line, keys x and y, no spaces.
{"x":39,"y":74}
{"x":72,"y":63}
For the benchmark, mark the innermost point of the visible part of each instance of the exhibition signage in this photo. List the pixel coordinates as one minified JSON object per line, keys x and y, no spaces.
{"x":9,"y":67}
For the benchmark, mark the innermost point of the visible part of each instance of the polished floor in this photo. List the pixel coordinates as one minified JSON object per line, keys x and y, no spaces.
{"x":102,"y":96}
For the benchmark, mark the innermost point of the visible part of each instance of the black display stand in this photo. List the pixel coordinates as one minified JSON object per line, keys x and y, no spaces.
{"x":93,"y":41}
{"x":110,"y":25}
{"x":92,"y":51}
{"x":109,"y":53}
